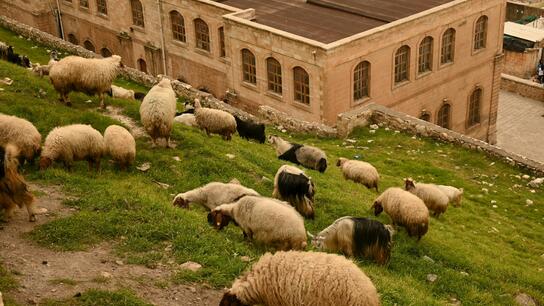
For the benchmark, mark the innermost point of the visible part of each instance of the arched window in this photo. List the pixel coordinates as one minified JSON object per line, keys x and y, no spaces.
{"x":105,"y":52}
{"x":84,"y":3}
{"x":361,"y":81}
{"x":202,"y":35}
{"x":425,"y":58}
{"x":402,"y":64}
{"x":443,"y":117}
{"x":102,"y":7}
{"x":137,"y":13}
{"x":249,"y":70}
{"x":73,"y":39}
{"x":142,"y":65}
{"x":89,"y":45}
{"x":301,"y":81}
{"x":178,"y":26}
{"x":425,"y":116}
{"x":222,"y":50}
{"x":474,"y":107}
{"x":448,"y":47}
{"x":480,"y":33}
{"x":273,"y":69}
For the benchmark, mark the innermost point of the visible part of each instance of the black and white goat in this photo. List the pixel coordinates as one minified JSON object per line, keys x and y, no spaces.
{"x":307,"y":156}
{"x":250,"y":130}
{"x":292,"y":185}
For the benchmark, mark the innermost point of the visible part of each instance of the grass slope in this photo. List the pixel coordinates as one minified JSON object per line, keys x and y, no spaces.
{"x":500,"y":248}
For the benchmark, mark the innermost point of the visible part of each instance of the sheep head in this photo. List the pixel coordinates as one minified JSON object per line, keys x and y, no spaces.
{"x":230,"y":299}
{"x":218,"y":219}
{"x":409,"y":184}
{"x":378,"y":208}
{"x":272,"y":139}
{"x":340,"y":162}
{"x":45,"y":162}
{"x":181,"y":202}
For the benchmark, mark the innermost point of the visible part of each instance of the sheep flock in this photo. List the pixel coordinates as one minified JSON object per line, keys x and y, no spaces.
{"x":300,"y":272}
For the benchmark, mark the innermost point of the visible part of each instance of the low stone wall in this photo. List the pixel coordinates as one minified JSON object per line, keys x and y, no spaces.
{"x":292,"y":124}
{"x":378,"y":114}
{"x":522,"y":87}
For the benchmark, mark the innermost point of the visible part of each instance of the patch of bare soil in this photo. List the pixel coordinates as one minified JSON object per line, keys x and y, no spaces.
{"x":46,"y":274}
{"x":117,"y":113}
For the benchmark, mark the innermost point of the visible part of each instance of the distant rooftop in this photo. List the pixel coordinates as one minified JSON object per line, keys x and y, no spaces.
{"x":524,"y":32}
{"x":327,"y":21}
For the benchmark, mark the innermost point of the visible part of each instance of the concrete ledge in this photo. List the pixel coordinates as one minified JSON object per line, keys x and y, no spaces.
{"x":522,"y":87}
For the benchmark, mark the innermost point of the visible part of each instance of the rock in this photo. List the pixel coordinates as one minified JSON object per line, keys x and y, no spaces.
{"x":284,"y":131}
{"x":144,"y":167}
{"x":485,"y":190}
{"x":495,"y":206}
{"x":374,"y":126}
{"x":464,"y":273}
{"x":106,"y":274}
{"x":119,"y":262}
{"x":245,"y":258}
{"x":89,"y":101}
{"x":525,"y":177}
{"x":230,"y":156}
{"x":493,"y":202}
{"x":41,"y":211}
{"x":532,"y":191}
{"x":6,"y":81}
{"x":191,"y":265}
{"x":431,"y":278}
{"x":536,"y":182}
{"x":192,"y":289}
{"x":370,"y":141}
{"x":372,"y":131}
{"x":351,"y":140}
{"x":1,"y":300}
{"x":529,"y":202}
{"x":387,"y":129}
{"x":162,"y":185}
{"x":176,"y":158}
{"x":427,"y":258}
{"x":32,"y":301}
{"x":525,"y":300}
{"x":265,"y":179}
{"x":454,"y":301}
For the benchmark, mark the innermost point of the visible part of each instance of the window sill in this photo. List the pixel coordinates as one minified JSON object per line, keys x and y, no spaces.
{"x":445,"y":65}
{"x":68,"y":3}
{"x":179,"y":43}
{"x":421,"y":75}
{"x":360,"y":101}
{"x":203,"y":52}
{"x":478,"y":51}
{"x":274,"y":95}
{"x":401,"y":84}
{"x":302,"y":106}
{"x":250,"y":86}
{"x":103,"y":16}
{"x":473,"y":127}
{"x":224,"y":60}
{"x":84,"y":9}
{"x":136,"y":28}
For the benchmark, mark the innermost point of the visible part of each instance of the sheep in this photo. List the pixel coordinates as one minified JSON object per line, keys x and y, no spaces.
{"x":454,"y":194}
{"x":88,"y":75}
{"x":72,"y":143}
{"x":186,"y":119}
{"x":120,"y":145}
{"x":42,"y":70}
{"x":302,"y":278}
{"x":360,"y":237}
{"x":268,"y":220}
{"x":431,"y":195}
{"x":15,"y":58}
{"x":404,"y":209}
{"x":250,"y":130}
{"x":292,"y":185}
{"x":157,"y":111}
{"x":189,"y":109}
{"x":3,"y":51}
{"x":122,"y":93}
{"x":23,"y":134}
{"x":13,"y":188}
{"x":359,"y":172}
{"x":214,"y":194}
{"x":215,"y":121}
{"x":307,"y":156}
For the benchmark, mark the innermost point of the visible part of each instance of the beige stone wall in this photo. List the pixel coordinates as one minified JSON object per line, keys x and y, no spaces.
{"x":36,"y":13}
{"x":451,"y":82}
{"x":521,"y":64}
{"x":523,"y":87}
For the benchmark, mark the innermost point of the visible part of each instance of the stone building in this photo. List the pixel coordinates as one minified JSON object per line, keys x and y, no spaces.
{"x":439,"y":60}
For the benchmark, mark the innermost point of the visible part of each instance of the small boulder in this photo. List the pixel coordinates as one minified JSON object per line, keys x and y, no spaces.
{"x":374,"y":126}
{"x":431,"y":278}
{"x":191,"y":265}
{"x":536,"y":182}
{"x":525,"y":300}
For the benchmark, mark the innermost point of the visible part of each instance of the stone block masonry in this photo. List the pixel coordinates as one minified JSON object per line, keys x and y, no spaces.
{"x":525,"y":88}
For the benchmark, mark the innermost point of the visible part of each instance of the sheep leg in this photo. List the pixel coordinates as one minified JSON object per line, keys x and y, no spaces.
{"x":168,"y":145}
{"x":102,"y":104}
{"x":97,"y":164}
{"x":67,"y":165}
{"x":207,"y":132}
{"x":30,"y":208}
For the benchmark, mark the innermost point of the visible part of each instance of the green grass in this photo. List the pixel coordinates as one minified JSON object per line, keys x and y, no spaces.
{"x":136,"y":216}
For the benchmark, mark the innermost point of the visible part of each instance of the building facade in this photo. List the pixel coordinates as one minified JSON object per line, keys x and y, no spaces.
{"x":439,"y":60}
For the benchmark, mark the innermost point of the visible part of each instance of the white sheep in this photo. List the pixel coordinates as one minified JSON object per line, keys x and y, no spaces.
{"x":431,"y":195}
{"x":186,"y":119}
{"x":72,"y":143}
{"x":120,"y":145}
{"x":454,"y":194}
{"x":21,"y":133}
{"x":302,"y":278}
{"x":213,"y":194}
{"x":404,"y":209}
{"x":359,"y":172}
{"x":157,"y":111}
{"x":270,"y":221}
{"x":215,"y":121}
{"x":42,"y":70}
{"x":88,"y":75}
{"x":121,"y":93}
{"x":292,"y":185}
{"x":308,"y":156}
{"x":356,"y":237}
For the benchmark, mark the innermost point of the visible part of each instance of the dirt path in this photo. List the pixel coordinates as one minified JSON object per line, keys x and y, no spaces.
{"x":134,"y":128}
{"x":44,"y":274}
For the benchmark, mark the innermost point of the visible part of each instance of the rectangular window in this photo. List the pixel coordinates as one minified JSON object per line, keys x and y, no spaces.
{"x":101,"y":7}
{"x":361,"y":81}
{"x":448,"y":47}
{"x":425,"y":61}
{"x":249,"y":67}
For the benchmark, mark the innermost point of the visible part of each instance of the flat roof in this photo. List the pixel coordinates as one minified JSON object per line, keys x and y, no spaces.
{"x":524,"y":32}
{"x":327,"y":21}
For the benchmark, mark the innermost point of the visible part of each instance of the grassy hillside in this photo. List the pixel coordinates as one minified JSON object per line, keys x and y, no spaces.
{"x":482,"y":252}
